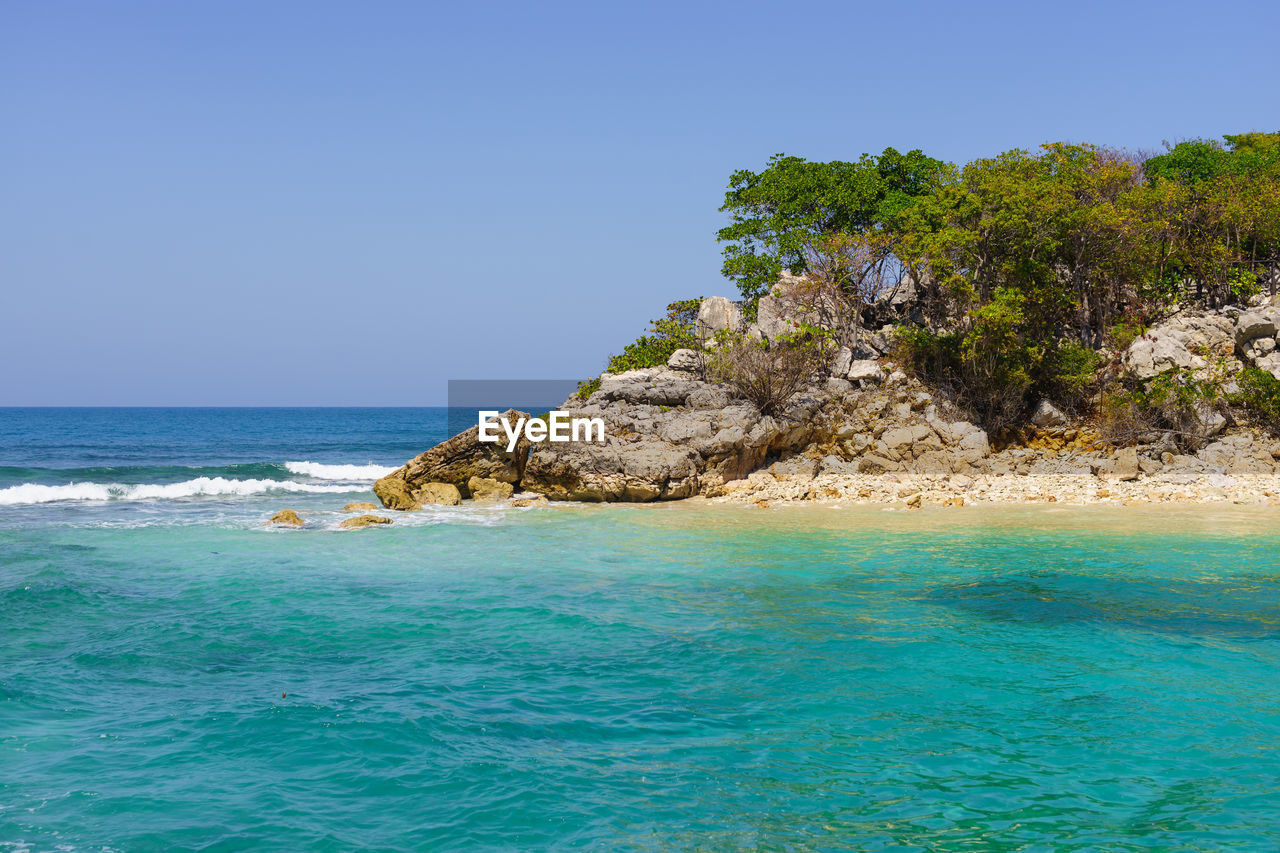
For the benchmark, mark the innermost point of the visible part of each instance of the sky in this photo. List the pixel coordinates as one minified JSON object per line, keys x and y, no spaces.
{"x":309,"y":203}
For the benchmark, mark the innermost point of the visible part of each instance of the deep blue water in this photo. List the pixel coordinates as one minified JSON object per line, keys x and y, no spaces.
{"x":617,"y":678}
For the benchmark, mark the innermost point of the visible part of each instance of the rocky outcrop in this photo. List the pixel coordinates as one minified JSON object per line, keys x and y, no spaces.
{"x":455,"y":461}
{"x":364,"y":521}
{"x":1047,"y":415}
{"x":671,"y":434}
{"x":865,"y":371}
{"x":439,"y":494}
{"x":715,"y":314}
{"x":286,"y":518}
{"x":488,"y":490}
{"x":1204,"y":341}
{"x":686,"y":361}
{"x":794,"y":301}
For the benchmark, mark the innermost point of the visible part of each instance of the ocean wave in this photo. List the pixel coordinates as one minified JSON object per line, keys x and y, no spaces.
{"x":34,"y":493}
{"x":338,"y":472}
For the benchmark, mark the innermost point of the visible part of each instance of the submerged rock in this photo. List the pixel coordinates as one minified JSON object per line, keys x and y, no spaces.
{"x":286,"y":518}
{"x":364,"y":521}
{"x":359,"y":506}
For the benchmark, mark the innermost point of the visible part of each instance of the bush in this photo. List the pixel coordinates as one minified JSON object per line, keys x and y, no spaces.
{"x":1178,"y":403}
{"x":989,"y":368}
{"x":769,"y":374}
{"x":1069,"y":372}
{"x":667,"y":334}
{"x":1259,"y":396}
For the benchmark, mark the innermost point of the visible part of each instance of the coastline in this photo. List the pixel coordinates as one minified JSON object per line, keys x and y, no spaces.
{"x":914,"y":491}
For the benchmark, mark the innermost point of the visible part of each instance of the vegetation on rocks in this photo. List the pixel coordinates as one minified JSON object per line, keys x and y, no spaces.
{"x":1027,"y":267}
{"x":666,"y":335}
{"x":1259,"y":396}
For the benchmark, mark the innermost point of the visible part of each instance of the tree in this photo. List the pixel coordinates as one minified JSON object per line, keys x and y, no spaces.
{"x":779,"y":212}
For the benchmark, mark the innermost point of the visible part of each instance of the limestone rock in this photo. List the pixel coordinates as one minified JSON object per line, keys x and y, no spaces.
{"x":1124,"y":465}
{"x":441,"y":494}
{"x":286,"y":518}
{"x":1259,"y":323}
{"x":360,"y":506}
{"x":656,"y":386}
{"x":1270,"y":363}
{"x":1153,"y":354}
{"x":792,"y":301}
{"x":488,"y":490}
{"x":866,"y":370}
{"x":455,"y":461}
{"x":645,"y":470}
{"x":841,"y":362}
{"x":536,"y":500}
{"x":1047,"y":415}
{"x":685,"y":360}
{"x":716,"y":313}
{"x":364,"y":521}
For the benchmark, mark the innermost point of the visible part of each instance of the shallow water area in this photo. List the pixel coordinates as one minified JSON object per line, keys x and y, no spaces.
{"x":173,"y":674}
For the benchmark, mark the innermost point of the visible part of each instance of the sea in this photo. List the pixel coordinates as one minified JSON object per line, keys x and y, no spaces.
{"x":176,"y":675}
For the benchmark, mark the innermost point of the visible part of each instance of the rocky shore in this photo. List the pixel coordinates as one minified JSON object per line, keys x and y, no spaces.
{"x":866,"y":433}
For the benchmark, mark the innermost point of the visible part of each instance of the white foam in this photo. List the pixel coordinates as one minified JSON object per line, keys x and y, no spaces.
{"x":32,"y":493}
{"x":338,"y":472}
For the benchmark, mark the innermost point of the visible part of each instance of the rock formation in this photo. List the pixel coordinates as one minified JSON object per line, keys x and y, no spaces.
{"x":454,"y":462}
{"x":671,"y":434}
{"x":364,"y":521}
{"x":286,"y":518}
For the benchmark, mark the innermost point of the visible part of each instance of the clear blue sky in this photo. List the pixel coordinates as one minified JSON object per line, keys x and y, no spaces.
{"x":276,"y":203}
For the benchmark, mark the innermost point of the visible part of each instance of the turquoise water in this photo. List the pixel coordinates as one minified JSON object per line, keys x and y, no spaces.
{"x":635,"y":678}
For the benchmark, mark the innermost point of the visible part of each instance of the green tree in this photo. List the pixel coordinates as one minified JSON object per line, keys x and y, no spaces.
{"x":778,"y":214}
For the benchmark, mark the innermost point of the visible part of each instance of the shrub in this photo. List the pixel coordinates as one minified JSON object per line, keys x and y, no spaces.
{"x":769,"y":373}
{"x":1069,"y":372}
{"x":1259,"y":396}
{"x":989,"y":368}
{"x":1127,"y":330}
{"x":667,"y":334}
{"x":1179,"y":403}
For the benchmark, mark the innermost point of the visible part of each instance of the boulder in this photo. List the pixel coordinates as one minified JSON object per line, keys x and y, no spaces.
{"x":455,"y":461}
{"x":364,"y":521}
{"x":866,"y":371}
{"x":1156,"y":353}
{"x":1047,"y":415}
{"x":536,"y":500}
{"x":655,"y":386}
{"x":795,"y":300}
{"x":685,"y":360}
{"x":1259,"y":323}
{"x":441,"y":494}
{"x":360,"y":506}
{"x":1258,"y":348}
{"x":487,"y":490}
{"x":1124,"y":465}
{"x":286,"y":518}
{"x":643,"y":470}
{"x":1270,"y":363}
{"x":841,"y":362}
{"x":716,"y":313}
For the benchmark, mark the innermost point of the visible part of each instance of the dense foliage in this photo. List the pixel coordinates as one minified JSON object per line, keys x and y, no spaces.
{"x":1027,"y":263}
{"x":1259,"y":395}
